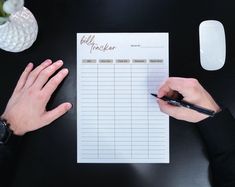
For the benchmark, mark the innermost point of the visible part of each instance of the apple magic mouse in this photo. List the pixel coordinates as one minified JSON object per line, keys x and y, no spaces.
{"x":212,"y":45}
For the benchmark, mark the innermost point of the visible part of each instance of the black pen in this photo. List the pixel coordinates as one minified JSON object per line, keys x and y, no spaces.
{"x":177,"y":102}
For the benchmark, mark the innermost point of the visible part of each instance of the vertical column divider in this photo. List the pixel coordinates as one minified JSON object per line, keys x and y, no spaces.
{"x":131,"y":106}
{"x":114,"y":66}
{"x":98,"y":109}
{"x":148,"y":103}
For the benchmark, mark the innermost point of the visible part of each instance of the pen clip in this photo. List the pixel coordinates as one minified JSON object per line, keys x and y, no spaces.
{"x":173,"y":102}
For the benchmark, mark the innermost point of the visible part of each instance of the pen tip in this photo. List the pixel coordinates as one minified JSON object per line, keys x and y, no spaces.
{"x":154,"y":95}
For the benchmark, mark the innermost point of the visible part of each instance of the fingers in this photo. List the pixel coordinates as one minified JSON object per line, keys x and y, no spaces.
{"x":52,"y":115}
{"x":34,"y":74}
{"x":179,"y":113}
{"x":172,"y":83}
{"x":23,"y":78}
{"x":46,"y":73}
{"x":54,"y":82}
{"x":171,"y":93}
{"x":192,"y":91}
{"x":169,"y":109}
{"x":184,"y":86}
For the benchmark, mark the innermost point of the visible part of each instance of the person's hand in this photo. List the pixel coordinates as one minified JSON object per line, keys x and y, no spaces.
{"x":26,"y":109}
{"x":192,"y":92}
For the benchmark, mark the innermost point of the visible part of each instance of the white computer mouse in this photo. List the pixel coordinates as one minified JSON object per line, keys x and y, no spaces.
{"x":212,"y":45}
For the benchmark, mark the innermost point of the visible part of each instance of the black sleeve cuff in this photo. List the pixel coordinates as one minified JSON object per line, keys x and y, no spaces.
{"x":218,"y":132}
{"x":9,"y":153}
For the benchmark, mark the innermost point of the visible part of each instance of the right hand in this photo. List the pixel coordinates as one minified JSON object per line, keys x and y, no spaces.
{"x":192,"y":92}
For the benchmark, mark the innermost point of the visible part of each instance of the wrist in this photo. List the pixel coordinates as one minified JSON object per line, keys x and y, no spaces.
{"x":12,"y":125}
{"x":216,"y":108}
{"x":211,"y":105}
{"x":5,"y":131}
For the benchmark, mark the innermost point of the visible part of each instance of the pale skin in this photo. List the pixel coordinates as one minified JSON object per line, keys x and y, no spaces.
{"x":26,"y":109}
{"x":192,"y":92}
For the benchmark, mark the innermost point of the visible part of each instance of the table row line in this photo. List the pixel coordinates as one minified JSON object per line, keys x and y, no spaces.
{"x":121,"y":81}
{"x":122,"y":131}
{"x":150,"y":126}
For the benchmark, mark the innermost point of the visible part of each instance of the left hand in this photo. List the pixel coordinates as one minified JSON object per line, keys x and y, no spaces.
{"x":26,"y":109}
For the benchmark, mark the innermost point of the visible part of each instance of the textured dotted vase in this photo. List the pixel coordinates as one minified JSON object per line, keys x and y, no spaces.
{"x":20,"y":32}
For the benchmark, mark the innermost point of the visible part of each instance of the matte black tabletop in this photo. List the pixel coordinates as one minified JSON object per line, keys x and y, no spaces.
{"x":49,"y":156}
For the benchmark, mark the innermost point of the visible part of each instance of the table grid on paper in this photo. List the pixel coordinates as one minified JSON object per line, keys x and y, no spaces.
{"x":119,"y":119}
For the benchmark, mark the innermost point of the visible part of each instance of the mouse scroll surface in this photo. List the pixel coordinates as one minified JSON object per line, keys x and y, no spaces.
{"x":212,"y":45}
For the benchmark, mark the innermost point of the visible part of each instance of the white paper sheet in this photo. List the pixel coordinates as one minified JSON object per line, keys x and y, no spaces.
{"x":118,"y":121}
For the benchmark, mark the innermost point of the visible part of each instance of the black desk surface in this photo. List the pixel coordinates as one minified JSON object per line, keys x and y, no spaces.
{"x":48,"y":155}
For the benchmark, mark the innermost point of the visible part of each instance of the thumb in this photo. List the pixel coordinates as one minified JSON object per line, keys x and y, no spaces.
{"x":169,"y":109}
{"x":57,"y":112}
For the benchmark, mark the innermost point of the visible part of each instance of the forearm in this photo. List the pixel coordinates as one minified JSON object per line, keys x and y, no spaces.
{"x":219,"y":136}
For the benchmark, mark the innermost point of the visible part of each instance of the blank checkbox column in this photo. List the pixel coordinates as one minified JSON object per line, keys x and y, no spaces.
{"x":158,"y":130}
{"x":123,"y":110}
{"x":106,"y":110}
{"x":139,"y":110}
{"x":88,"y":110}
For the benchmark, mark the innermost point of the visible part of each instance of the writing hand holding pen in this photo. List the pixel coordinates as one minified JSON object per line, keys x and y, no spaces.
{"x":181,"y":103}
{"x":196,"y":105}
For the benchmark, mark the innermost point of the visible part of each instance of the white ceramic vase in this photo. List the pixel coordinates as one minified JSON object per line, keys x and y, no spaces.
{"x":20,"y":32}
